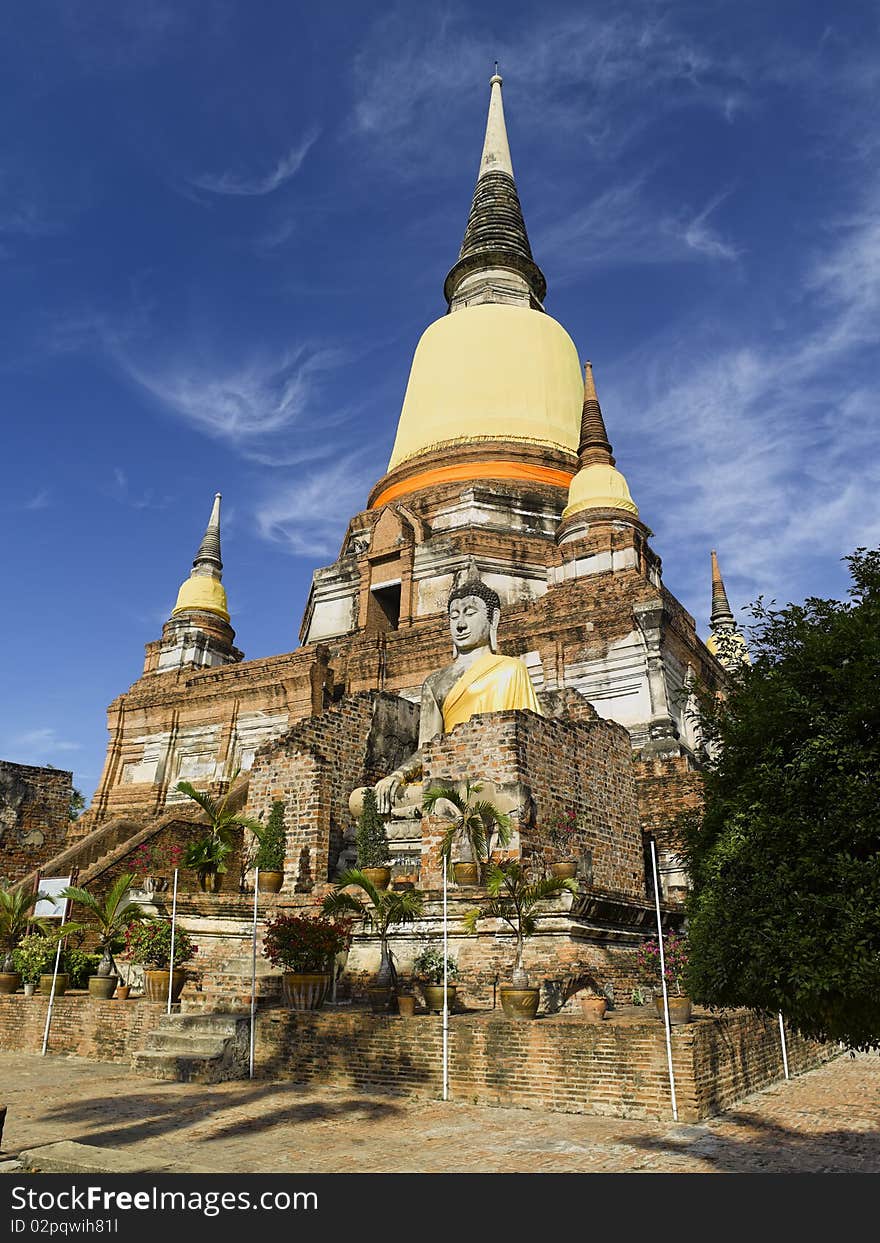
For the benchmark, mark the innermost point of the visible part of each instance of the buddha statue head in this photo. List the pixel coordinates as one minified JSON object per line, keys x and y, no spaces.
{"x":474,"y":613}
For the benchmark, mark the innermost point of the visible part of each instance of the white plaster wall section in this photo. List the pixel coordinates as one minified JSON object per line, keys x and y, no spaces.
{"x":252,"y":730}
{"x":616,"y":683}
{"x":146,"y":770}
{"x":194,"y":758}
{"x":333,"y":603}
{"x":535,"y":666}
{"x":676,"y":691}
{"x":501,"y":514}
{"x":596,"y":563}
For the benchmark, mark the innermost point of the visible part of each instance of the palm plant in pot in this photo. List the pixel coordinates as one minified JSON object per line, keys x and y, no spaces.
{"x":304,"y":947}
{"x":148,"y":943}
{"x":271,"y":849}
{"x":428,"y":968}
{"x":371,"y":840}
{"x":472,"y":823}
{"x":381,"y":910}
{"x":513,"y":897}
{"x":17,"y":919}
{"x":207,"y":855}
{"x":106,"y":919}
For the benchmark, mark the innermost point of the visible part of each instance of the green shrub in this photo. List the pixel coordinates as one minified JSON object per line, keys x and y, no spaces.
{"x":79,"y":966}
{"x":269,"y":856}
{"x":149,"y":944}
{"x":373,"y":850}
{"x":34,"y":955}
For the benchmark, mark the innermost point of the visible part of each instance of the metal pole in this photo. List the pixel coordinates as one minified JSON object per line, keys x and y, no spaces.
{"x":254,"y":971}
{"x":784,"y":1049}
{"x":445,"y":992}
{"x":666,"y":1023}
{"x":54,"y":978}
{"x":173,"y":921}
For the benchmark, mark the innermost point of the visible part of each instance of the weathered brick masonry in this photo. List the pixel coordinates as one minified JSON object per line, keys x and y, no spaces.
{"x":34,"y":816}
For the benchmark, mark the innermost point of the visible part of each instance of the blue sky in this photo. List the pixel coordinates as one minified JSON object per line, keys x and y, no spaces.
{"x":224,"y":226}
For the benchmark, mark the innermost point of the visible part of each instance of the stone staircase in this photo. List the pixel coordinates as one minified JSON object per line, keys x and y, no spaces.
{"x":196,"y":1048}
{"x":229,"y":991}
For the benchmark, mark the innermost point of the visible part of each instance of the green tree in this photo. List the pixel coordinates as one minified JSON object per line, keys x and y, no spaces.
{"x":472,"y":821}
{"x":107,"y":918}
{"x":271,"y":841}
{"x":784,"y":910}
{"x":513,"y":898}
{"x":208,"y":854}
{"x":383,"y":910}
{"x":371,"y":840}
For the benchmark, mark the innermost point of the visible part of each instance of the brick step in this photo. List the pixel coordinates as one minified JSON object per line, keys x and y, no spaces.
{"x":195,"y":1048}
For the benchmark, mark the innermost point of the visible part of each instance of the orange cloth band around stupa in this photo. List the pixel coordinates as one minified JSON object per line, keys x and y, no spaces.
{"x":474,"y":470}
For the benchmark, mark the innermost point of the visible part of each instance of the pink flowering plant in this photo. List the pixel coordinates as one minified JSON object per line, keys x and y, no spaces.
{"x":560,"y":829}
{"x":157,"y":859}
{"x":675,"y":952}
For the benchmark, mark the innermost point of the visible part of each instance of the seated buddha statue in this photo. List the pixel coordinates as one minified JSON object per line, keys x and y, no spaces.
{"x":478,"y":680}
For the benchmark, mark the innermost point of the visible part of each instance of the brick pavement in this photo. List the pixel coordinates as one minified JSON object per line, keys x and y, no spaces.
{"x":827,"y":1120}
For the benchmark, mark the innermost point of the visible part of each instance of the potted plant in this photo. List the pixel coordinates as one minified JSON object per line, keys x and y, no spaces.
{"x":472,"y":823}
{"x":304,"y":947}
{"x":428,"y":968}
{"x":17,"y":919}
{"x":371,"y":840}
{"x":675,"y":953}
{"x":149,"y":944}
{"x":207,"y":855}
{"x":271,"y":850}
{"x":594,"y":1003}
{"x":513,"y":897}
{"x":106,"y":919}
{"x":559,"y":830}
{"x":383,"y":910}
{"x":33,"y":955}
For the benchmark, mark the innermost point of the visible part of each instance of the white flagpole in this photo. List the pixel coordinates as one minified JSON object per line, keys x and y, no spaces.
{"x":784,"y":1049}
{"x":445,"y":992}
{"x":254,"y":972}
{"x":54,"y":978}
{"x":666,"y":1023}
{"x":173,"y":922}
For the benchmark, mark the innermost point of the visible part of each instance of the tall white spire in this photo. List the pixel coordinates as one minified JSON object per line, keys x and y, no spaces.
{"x":496,"y":149}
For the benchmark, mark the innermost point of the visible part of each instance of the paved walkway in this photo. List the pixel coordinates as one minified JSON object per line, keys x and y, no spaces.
{"x":827,"y":1120}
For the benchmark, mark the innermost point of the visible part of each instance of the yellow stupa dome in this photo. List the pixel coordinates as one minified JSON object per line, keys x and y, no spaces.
{"x":599,"y":486}
{"x":491,"y":372}
{"x":202,"y":592}
{"x":729,"y":646}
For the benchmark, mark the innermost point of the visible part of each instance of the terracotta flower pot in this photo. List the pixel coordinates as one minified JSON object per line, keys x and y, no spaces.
{"x":156,"y":983}
{"x":303,"y":990}
{"x":379,"y":997}
{"x":380,"y":877}
{"x":406,"y":1005}
{"x":434,"y":997}
{"x":519,"y":1003}
{"x":679,"y":1008}
{"x":593,"y":1008}
{"x":564,"y":871}
{"x":122,"y":991}
{"x":270,"y":882}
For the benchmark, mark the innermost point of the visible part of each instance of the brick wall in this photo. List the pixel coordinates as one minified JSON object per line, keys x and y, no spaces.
{"x":582,"y":765}
{"x":107,"y":1031}
{"x":314,"y":768}
{"x":34,"y":817}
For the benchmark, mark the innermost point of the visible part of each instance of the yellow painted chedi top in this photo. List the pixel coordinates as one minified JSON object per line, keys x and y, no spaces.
{"x":491,"y":372}
{"x":599,"y":486}
{"x":202,"y":592}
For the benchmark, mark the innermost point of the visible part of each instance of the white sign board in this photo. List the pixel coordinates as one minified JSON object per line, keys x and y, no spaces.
{"x":51,"y":887}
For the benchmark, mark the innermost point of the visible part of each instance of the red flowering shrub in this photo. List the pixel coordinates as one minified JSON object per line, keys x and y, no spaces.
{"x":303,"y":943}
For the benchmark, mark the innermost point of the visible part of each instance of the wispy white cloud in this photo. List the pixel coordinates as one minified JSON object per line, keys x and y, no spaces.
{"x":625,"y":224}
{"x":119,"y":488}
{"x":40,"y":500}
{"x":230,"y":183}
{"x":242,"y":404}
{"x":300,"y":516}
{"x":38,"y":746}
{"x":773,"y":436}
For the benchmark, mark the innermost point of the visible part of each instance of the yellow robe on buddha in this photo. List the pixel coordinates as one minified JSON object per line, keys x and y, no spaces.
{"x":493,"y":683}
